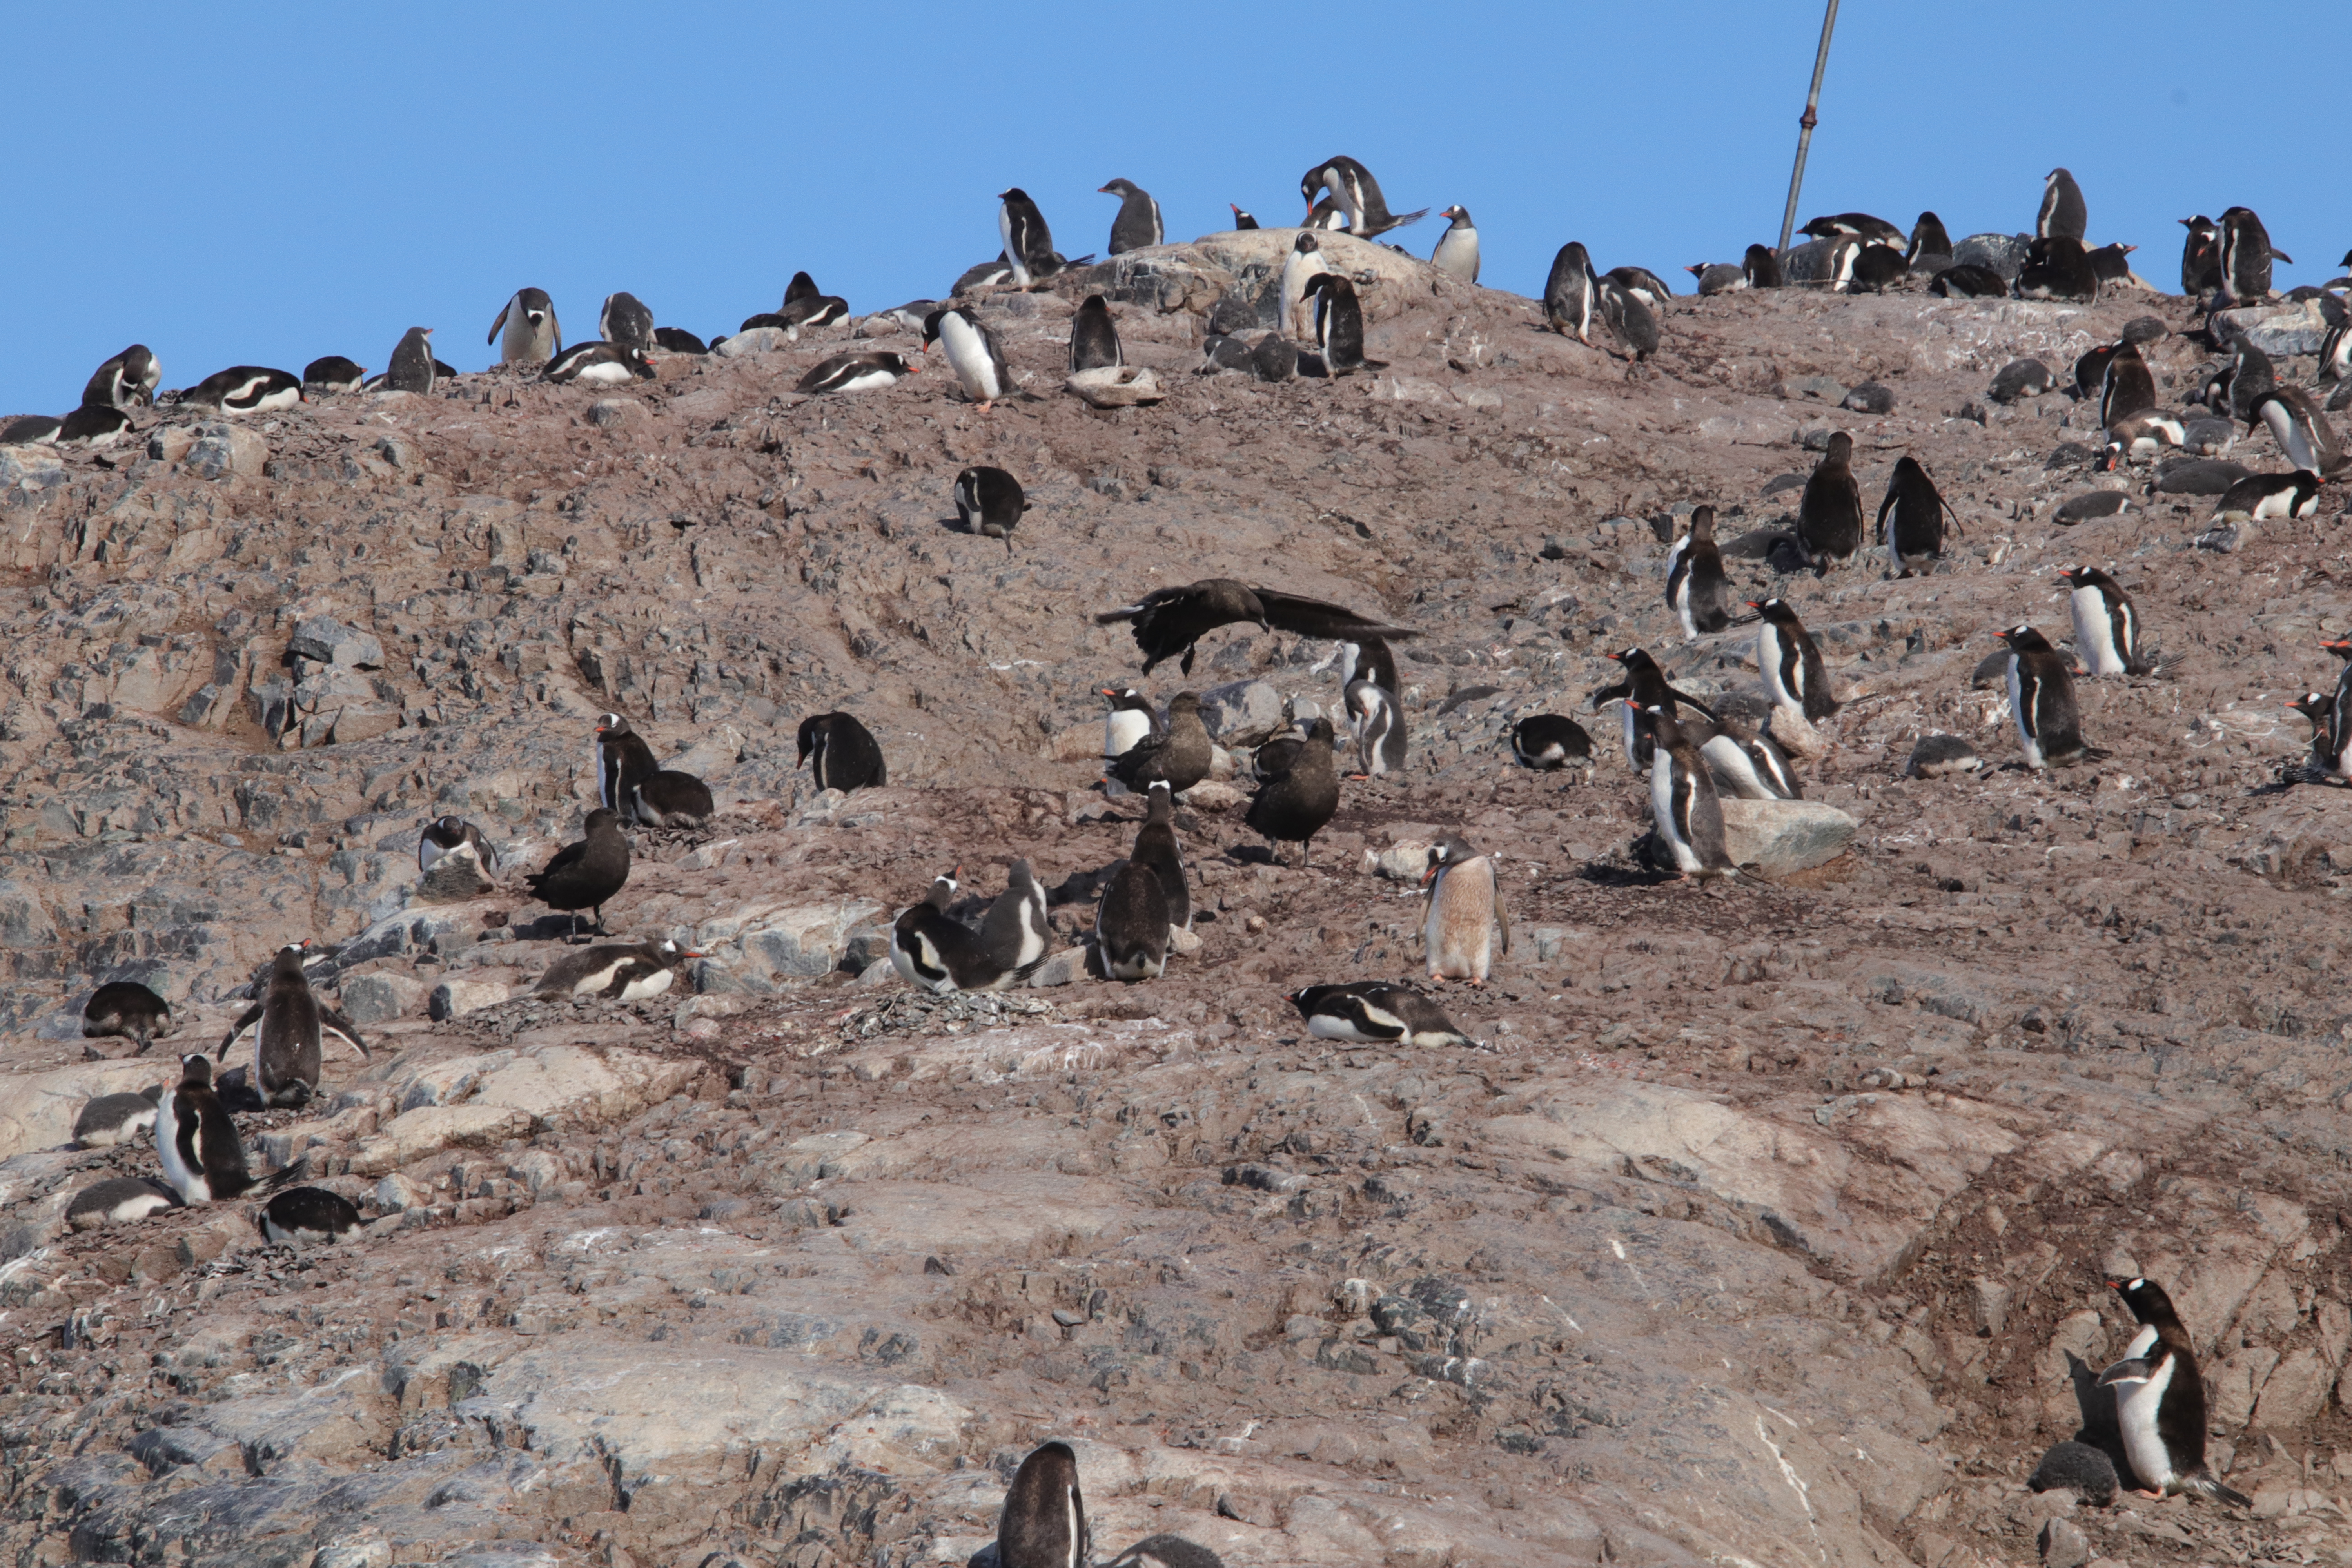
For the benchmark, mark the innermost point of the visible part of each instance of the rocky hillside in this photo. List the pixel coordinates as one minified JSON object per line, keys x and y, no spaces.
{"x":1770,"y":1226}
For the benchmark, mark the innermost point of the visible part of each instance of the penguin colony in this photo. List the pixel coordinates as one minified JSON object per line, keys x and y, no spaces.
{"x":1690,"y":752}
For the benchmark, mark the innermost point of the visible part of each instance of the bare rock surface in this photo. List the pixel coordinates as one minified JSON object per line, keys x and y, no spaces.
{"x":1769,"y":1226}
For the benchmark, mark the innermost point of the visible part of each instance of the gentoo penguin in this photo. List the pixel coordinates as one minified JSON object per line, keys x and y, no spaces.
{"x":1629,"y":321}
{"x":1044,"y":1520}
{"x":1868,"y":229}
{"x":1876,"y":270}
{"x":2304,"y":435}
{"x":1548,"y":740}
{"x":847,"y":755}
{"x":1364,"y":657}
{"x":1168,"y":621}
{"x":1642,"y":283}
{"x":1938,"y":755}
{"x":1375,"y":1012}
{"x":1763,"y":267}
{"x":1137,"y":225}
{"x":2112,"y":263}
{"x":668,"y":797}
{"x":111,"y":1118}
{"x":1828,"y":518}
{"x":2244,"y":382}
{"x":2270,"y":497}
{"x":333,"y":373}
{"x":1241,"y":220}
{"x":118,"y":1199}
{"x":2336,"y":735}
{"x":1358,"y":195}
{"x":1458,"y":248}
{"x":2246,"y":256}
{"x":1131,"y":923}
{"x":1928,"y":237}
{"x":2335,"y":353}
{"x":1698,"y":590}
{"x":990,"y":501}
{"x":1303,"y":263}
{"x":1969,"y":281}
{"x":1747,"y":762}
{"x":855,"y":373}
{"x":128,"y":1010}
{"x":1568,"y":292}
{"x":2319,"y":707}
{"x":2107,"y":624}
{"x":2062,"y":213}
{"x":412,"y":362}
{"x":444,"y":834}
{"x":31,"y":430}
{"x":678,"y":341}
{"x":1339,"y":324}
{"x":1295,"y":808}
{"x":1094,"y":337}
{"x":129,"y":380}
{"x":2140,"y":437}
{"x":1180,"y":753}
{"x":1156,"y":847}
{"x":94,"y":427}
{"x":1717,"y":278}
{"x":532,"y":333}
{"x":933,"y":951}
{"x":1684,"y":806}
{"x":2160,"y":1399}
{"x":616,"y":970}
{"x":1131,"y":720}
{"x":2127,"y":387}
{"x":246,"y":389}
{"x":598,"y":364}
{"x":2057,"y":270}
{"x":1376,"y":720}
{"x":1792,"y":664}
{"x":2091,"y":368}
{"x":293,"y":1023}
{"x":1028,"y":243}
{"x":2041,"y":701}
{"x":1466,"y":921}
{"x":625,"y":322}
{"x":194,"y":1139}
{"x":1915,"y":542}
{"x":974,"y":352}
{"x":1325,"y":217}
{"x":1015,"y":930}
{"x":2200,"y":256}
{"x":301,"y":1217}
{"x":1646,"y":684}
{"x":619,"y":760}
{"x":588,"y":874}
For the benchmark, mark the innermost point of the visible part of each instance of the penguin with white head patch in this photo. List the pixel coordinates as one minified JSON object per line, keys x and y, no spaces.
{"x":2160,"y":1400}
{"x":974,"y":352}
{"x":286,"y":1047}
{"x":1028,"y":243}
{"x":1790,"y":662}
{"x":1458,"y":248}
{"x":1466,"y":921}
{"x":533,"y":334}
{"x":1647,"y":686}
{"x":616,"y":970}
{"x":2106,"y":624}
{"x":445,"y":835}
{"x":1376,"y":1013}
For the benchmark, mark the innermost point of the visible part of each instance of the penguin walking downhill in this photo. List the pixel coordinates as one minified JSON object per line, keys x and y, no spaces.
{"x":1915,"y":541}
{"x":2160,"y":1400}
{"x":1698,"y":590}
{"x":1466,"y":921}
{"x":2106,"y":624}
{"x":1684,"y":806}
{"x":1094,"y":337}
{"x":1138,"y":226}
{"x":127,"y":1010}
{"x":974,"y":351}
{"x":1828,"y":518}
{"x":1296,"y":807}
{"x":531,"y":333}
{"x":203,"y":1158}
{"x":1376,"y":1013}
{"x":2042,"y":701}
{"x":1568,"y":292}
{"x":1044,"y":1524}
{"x":1458,"y":248}
{"x":588,"y":874}
{"x":1790,"y":662}
{"x":990,"y":501}
{"x":847,"y":755}
{"x":1646,"y":684}
{"x":288,"y":1046}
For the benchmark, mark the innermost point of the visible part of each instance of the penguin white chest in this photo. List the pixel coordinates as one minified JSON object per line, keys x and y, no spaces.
{"x":967,"y":352}
{"x":2094,"y":633}
{"x":1771,"y":657}
{"x":2017,"y":707}
{"x":605,"y":373}
{"x":1123,"y":729}
{"x":651,"y":984}
{"x":186,"y":1180}
{"x":2137,"y":1404}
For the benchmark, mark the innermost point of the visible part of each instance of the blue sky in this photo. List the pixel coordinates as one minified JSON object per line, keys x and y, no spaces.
{"x":268,"y":183}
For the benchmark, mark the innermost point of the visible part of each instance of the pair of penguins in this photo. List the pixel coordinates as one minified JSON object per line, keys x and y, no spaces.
{"x":1625,"y":299}
{"x":2040,"y":680}
{"x":1466,"y":925}
{"x":1321,"y":306}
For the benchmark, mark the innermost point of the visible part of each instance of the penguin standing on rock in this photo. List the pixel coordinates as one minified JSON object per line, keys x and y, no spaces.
{"x":1137,"y":225}
{"x":1241,"y":220}
{"x":1828,"y":518}
{"x":1300,"y":267}
{"x":2064,"y":214}
{"x":1684,"y":806}
{"x":2246,"y":256}
{"x":1790,"y":662}
{"x":1131,"y":721}
{"x":847,"y":755}
{"x":1629,"y":321}
{"x":1458,"y":248}
{"x":2160,"y":1399}
{"x":990,"y":502}
{"x":126,"y":1009}
{"x":203,"y":1158}
{"x":1339,"y":324}
{"x":1568,"y":292}
{"x":1378,"y":721}
{"x":1044,"y":1520}
{"x":2106,"y":624}
{"x":1698,"y":590}
{"x":1094,"y":337}
{"x":1928,"y":237}
{"x":412,"y":363}
{"x":1915,"y":542}
{"x":2200,"y":256}
{"x":2042,"y":701}
{"x":2304,"y":436}
{"x":1028,"y":243}
{"x":625,"y":322}
{"x":1467,"y":920}
{"x":2127,"y":386}
{"x":974,"y":352}
{"x":531,"y":332}
{"x":286,"y":1047}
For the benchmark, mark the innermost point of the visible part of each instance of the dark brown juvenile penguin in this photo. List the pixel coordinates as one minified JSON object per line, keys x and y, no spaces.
{"x":1156,"y":847}
{"x":1295,"y":808}
{"x":128,"y":1009}
{"x":1044,"y":1520}
{"x":1829,"y":520}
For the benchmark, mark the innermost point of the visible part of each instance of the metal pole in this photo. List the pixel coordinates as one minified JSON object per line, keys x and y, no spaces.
{"x":1805,"y":126}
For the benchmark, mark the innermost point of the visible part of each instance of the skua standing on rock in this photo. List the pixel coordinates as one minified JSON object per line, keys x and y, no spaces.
{"x":587,"y":874}
{"x":1180,"y":753}
{"x":2160,"y":1400}
{"x":847,"y":755}
{"x":287,"y":1045}
{"x":531,"y":333}
{"x":1296,"y":807}
{"x":1466,"y":922}
{"x":128,"y":1010}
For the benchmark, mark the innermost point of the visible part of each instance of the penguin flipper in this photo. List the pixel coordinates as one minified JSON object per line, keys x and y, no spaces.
{"x":333,"y":1023}
{"x":1878,"y":530}
{"x":2204,"y":1485}
{"x":498,"y":325}
{"x":1684,"y":700}
{"x":252,"y":1016}
{"x":1502,"y":918}
{"x":1616,"y":693}
{"x":2136,"y":1369}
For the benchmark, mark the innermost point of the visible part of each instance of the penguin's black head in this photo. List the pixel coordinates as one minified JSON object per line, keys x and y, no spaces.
{"x":813,"y":732}
{"x":196,"y":1071}
{"x":2143,"y":1295}
{"x":1840,"y":447}
{"x":1117,"y":188}
{"x":1319,"y":730}
{"x":1013,"y":195}
{"x":1305,"y":244}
